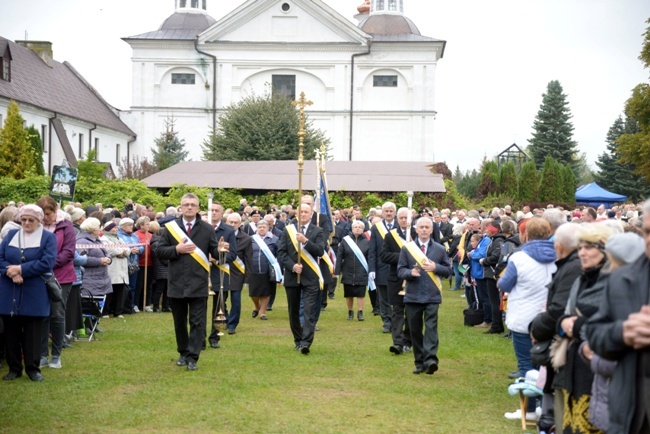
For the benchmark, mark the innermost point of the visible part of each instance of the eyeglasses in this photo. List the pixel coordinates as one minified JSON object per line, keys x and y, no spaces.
{"x":190,"y":205}
{"x":26,"y":219}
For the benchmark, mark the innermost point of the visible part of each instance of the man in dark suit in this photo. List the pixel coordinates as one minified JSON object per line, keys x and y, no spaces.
{"x":251,"y":227}
{"x":273,"y":227}
{"x":390,"y":251}
{"x":446,"y":229}
{"x":186,"y":242}
{"x":341,"y":229}
{"x":423,"y":293}
{"x":314,"y":242}
{"x":244,"y":261}
{"x":378,"y":269}
{"x":227,"y":233}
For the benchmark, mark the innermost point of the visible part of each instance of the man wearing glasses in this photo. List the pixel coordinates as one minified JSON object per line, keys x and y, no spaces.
{"x":186,"y":243}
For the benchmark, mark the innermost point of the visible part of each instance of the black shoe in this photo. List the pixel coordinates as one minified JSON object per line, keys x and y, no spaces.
{"x":331,"y":296}
{"x":430,"y":369}
{"x":493,"y":332}
{"x":231,"y":331}
{"x":181,"y":361}
{"x":254,"y":314}
{"x":406,"y":349}
{"x":12,"y":376}
{"x":297,"y":348}
{"x":375,"y":312}
{"x":350,"y":315}
{"x":304,"y":349}
{"x":214,"y":345}
{"x":35,"y":376}
{"x":360,"y":315}
{"x":514,"y":375}
{"x":386,"y":329}
{"x":418,"y":371}
{"x":396,"y":349}
{"x":269,"y":308}
{"x":191,"y":366}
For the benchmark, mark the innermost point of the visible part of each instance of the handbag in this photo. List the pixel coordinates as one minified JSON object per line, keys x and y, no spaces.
{"x":540,"y":353}
{"x":558,"y":351}
{"x":133,"y":267}
{"x":53,"y":286}
{"x":271,"y":273}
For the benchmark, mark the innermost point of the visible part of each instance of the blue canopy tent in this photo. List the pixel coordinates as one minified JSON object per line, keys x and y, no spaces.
{"x":593,"y":195}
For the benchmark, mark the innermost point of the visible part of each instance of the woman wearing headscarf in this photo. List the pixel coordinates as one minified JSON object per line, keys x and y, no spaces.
{"x":54,"y":221}
{"x":584,"y":301}
{"x":96,"y":280}
{"x":26,"y":255}
{"x":118,"y":270}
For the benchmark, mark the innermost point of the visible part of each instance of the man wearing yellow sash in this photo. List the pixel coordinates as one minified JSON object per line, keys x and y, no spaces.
{"x":186,"y":242}
{"x":238,"y":270}
{"x":302,"y":278}
{"x":378,"y":268}
{"x":421,"y":263}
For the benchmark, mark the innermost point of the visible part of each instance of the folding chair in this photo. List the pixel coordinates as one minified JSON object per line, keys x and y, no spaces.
{"x":91,"y":310}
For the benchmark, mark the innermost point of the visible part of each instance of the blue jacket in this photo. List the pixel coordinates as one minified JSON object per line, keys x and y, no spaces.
{"x":541,"y":251}
{"x":30,"y":298}
{"x":475,"y":256}
{"x":131,"y":238}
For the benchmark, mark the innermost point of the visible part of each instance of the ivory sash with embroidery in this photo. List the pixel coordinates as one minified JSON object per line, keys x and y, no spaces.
{"x":305,"y":255}
{"x":420,"y":257}
{"x":269,"y":255}
{"x":179,"y":235}
{"x":357,"y":252}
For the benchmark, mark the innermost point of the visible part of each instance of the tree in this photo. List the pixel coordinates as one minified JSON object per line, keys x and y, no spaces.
{"x":16,"y":159}
{"x":553,"y":131}
{"x":635,"y":148}
{"x":508,"y":179}
{"x":169,"y":149}
{"x":90,"y":169}
{"x":617,"y":176}
{"x":36,"y":145}
{"x":568,"y":184}
{"x":468,"y":184}
{"x":489,"y":180}
{"x":136,"y":168}
{"x":528,"y":183}
{"x":442,"y":169}
{"x":550,"y":183}
{"x":261,"y":128}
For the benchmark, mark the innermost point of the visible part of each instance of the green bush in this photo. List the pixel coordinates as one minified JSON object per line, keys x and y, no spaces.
{"x":26,"y":190}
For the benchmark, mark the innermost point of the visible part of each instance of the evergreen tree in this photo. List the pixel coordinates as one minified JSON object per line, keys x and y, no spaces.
{"x":16,"y":159}
{"x":614,"y":175}
{"x":550,"y":182}
{"x":261,"y":128}
{"x":489,"y":180}
{"x":36,"y":145}
{"x":457,"y":176}
{"x":528,"y":183}
{"x":468,"y":185}
{"x":553,"y":130}
{"x":635,"y":148}
{"x":169,"y":150}
{"x":508,"y":179}
{"x":90,"y":169}
{"x":569,"y":184}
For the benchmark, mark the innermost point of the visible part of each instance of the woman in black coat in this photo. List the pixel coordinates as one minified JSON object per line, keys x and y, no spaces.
{"x":353,"y":271}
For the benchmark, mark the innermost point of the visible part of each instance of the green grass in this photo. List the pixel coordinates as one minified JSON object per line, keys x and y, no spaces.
{"x":256,"y":382}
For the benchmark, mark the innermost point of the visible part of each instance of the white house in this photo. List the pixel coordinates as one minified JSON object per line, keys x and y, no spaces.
{"x":372,"y":85}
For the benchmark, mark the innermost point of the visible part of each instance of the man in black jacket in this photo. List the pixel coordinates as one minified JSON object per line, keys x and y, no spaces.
{"x":186,"y":242}
{"x":304,"y":277}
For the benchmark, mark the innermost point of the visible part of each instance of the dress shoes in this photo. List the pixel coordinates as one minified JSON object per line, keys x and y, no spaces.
{"x":360,"y":315}
{"x":304,"y":349}
{"x":35,"y":376}
{"x":191,"y":366}
{"x":181,"y":361}
{"x":254,"y":314}
{"x":406,"y":349}
{"x":231,"y":331}
{"x":482,"y":325}
{"x":418,"y":371}
{"x":215,"y":345}
{"x":387,"y":330}
{"x":493,"y":332}
{"x":297,"y":348}
{"x":396,"y":349}
{"x":430,"y":369}
{"x":12,"y":376}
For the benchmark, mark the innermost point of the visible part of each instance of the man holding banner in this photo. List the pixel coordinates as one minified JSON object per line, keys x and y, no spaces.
{"x":421,"y":263}
{"x":186,"y":242}
{"x":299,"y":248}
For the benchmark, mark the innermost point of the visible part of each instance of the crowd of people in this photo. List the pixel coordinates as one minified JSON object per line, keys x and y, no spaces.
{"x":576,"y":278}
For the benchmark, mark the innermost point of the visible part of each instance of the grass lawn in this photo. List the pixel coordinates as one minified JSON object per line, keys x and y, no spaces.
{"x":256,"y":382}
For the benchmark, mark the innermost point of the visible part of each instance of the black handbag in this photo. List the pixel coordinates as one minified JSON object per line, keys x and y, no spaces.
{"x":133,"y":267}
{"x":540,"y":353}
{"x":53,"y":286}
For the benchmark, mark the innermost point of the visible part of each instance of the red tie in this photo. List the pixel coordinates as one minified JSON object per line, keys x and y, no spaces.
{"x":189,"y":228}
{"x":424,"y":249}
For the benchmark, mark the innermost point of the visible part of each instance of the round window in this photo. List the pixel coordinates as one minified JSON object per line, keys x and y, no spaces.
{"x":286,"y":7}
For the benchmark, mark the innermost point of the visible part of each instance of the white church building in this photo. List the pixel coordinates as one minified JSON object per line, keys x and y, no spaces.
{"x":372,"y":85}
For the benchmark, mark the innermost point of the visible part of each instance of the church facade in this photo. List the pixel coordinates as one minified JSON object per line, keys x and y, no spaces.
{"x":372,"y":84}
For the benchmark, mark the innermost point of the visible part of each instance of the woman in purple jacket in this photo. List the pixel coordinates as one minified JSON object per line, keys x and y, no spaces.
{"x":54,"y":221}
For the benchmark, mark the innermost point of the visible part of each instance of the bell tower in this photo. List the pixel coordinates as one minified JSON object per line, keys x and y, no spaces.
{"x":387,"y":7}
{"x":191,"y":5}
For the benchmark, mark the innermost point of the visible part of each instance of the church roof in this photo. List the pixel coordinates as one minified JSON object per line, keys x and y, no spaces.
{"x":180,"y":26}
{"x":393,"y":28}
{"x":390,"y":176}
{"x":56,"y":87}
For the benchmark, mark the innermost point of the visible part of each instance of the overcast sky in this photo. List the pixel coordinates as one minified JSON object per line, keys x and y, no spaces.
{"x":500,"y":56}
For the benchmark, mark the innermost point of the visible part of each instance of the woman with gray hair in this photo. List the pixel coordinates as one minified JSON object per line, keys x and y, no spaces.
{"x":96,"y":280}
{"x":352,"y":255}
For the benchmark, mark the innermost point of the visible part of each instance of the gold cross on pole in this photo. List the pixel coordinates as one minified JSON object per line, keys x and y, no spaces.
{"x":301,"y":103}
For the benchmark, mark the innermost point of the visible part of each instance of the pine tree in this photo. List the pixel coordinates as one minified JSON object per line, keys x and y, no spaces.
{"x":614,"y":175}
{"x":16,"y":159}
{"x":508,"y":180}
{"x":169,"y":150}
{"x":489,"y":180}
{"x":553,"y":130}
{"x":528,"y":183}
{"x":457,"y":176}
{"x":568,"y":184}
{"x":468,"y":184}
{"x":36,"y":145}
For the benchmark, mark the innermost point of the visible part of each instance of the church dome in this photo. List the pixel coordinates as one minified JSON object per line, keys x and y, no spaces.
{"x":188,"y":21}
{"x":388,"y":24}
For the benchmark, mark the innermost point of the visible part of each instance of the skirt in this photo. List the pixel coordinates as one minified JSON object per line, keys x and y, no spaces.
{"x":358,"y":291}
{"x":259,"y":285}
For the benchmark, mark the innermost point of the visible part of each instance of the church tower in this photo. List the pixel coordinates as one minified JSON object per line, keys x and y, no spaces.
{"x":191,"y":6}
{"x":395,"y":7}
